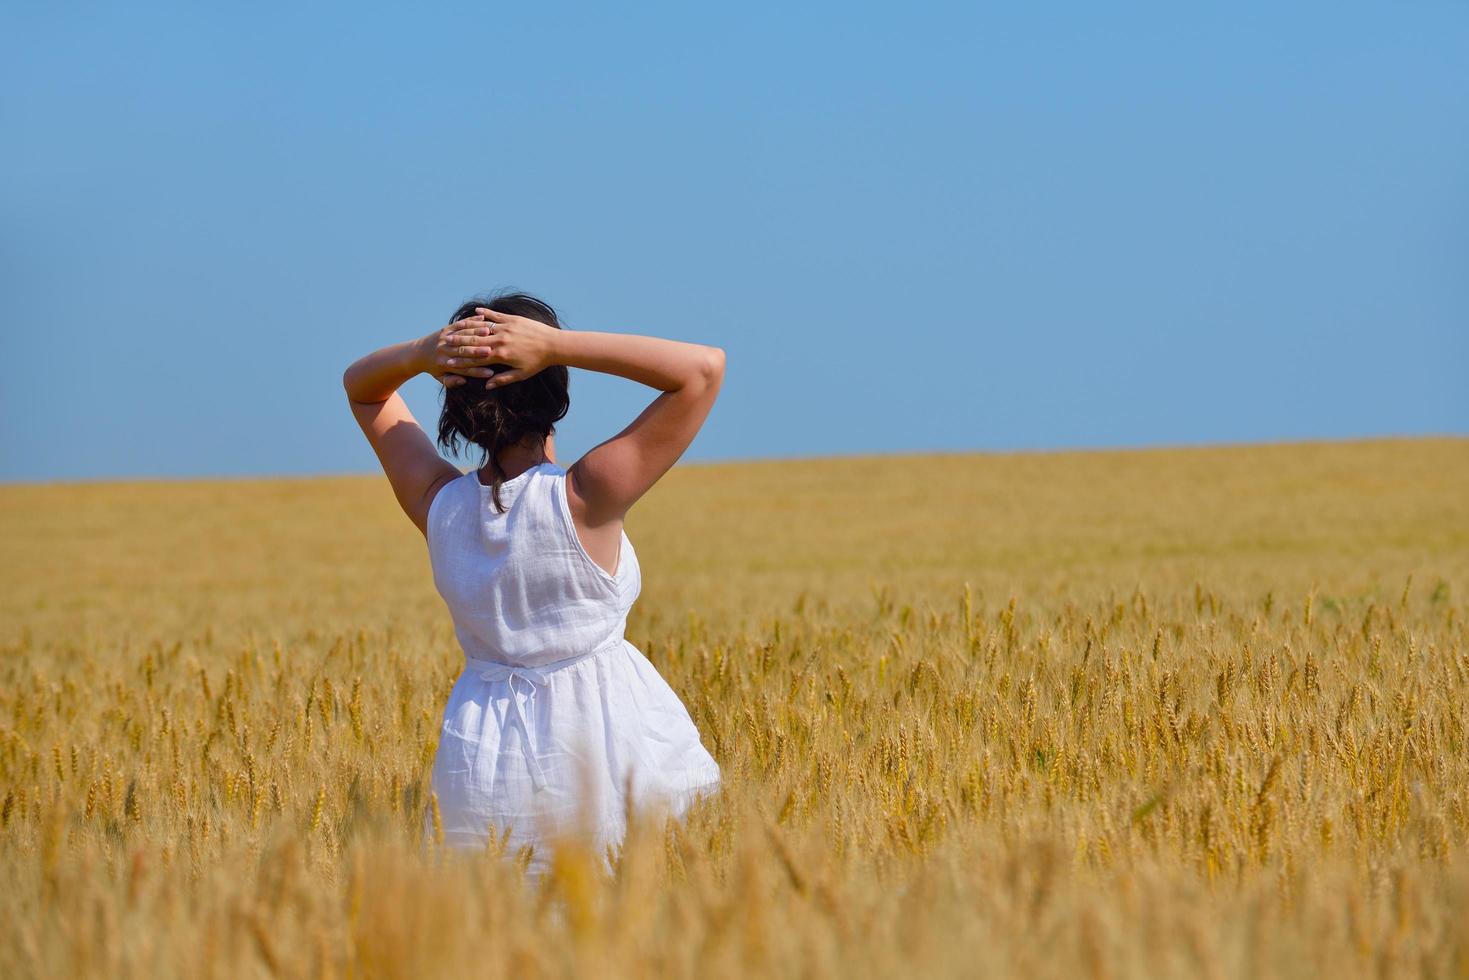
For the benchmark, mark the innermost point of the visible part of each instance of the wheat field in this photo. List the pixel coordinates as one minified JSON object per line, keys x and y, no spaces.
{"x":1156,"y":713}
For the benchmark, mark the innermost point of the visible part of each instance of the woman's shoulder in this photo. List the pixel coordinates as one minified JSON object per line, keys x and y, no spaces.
{"x":442,"y":497}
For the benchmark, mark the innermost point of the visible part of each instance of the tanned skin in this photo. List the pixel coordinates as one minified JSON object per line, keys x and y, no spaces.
{"x":607,"y":480}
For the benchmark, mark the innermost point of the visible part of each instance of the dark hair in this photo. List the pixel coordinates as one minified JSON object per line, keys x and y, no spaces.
{"x":498,"y":417}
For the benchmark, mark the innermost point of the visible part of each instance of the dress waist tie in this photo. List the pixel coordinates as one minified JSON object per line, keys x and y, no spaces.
{"x":531,"y":678}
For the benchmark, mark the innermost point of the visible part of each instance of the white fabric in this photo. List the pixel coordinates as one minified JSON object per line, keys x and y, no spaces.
{"x":555,"y":707}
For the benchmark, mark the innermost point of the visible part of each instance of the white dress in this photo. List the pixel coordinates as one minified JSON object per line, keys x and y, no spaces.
{"x":553,"y":699}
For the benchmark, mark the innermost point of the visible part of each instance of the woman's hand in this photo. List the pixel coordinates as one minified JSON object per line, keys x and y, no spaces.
{"x":520,"y":346}
{"x":444,"y":354}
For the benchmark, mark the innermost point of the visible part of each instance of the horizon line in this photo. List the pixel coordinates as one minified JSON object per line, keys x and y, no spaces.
{"x":1119,"y":448}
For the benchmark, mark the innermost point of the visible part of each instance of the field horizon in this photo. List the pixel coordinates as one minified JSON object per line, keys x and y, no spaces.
{"x":1152,"y":711}
{"x":877,"y":456}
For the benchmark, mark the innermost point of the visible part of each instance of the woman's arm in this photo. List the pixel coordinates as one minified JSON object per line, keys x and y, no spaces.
{"x":408,"y":457}
{"x":611,"y":476}
{"x":609,"y":479}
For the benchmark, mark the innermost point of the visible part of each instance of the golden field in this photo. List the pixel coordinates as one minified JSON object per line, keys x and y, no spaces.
{"x":1154,"y":713}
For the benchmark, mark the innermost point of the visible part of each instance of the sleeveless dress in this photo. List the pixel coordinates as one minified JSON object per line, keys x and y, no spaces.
{"x":555,"y":708}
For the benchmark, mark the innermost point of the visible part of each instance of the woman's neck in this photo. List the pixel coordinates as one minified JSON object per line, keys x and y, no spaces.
{"x":515,"y":460}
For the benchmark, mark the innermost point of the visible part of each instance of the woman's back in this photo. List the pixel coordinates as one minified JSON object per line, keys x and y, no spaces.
{"x":520,"y":586}
{"x":553,"y":699}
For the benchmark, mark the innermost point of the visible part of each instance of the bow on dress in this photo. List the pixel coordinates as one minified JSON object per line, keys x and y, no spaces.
{"x":531,"y":678}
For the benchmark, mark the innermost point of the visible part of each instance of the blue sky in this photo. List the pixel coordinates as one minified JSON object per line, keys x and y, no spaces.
{"x":911,"y":228}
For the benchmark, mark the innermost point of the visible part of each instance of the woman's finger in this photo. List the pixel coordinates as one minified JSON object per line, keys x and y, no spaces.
{"x":504,"y":378}
{"x":494,"y":316}
{"x":470,"y":356}
{"x":454,"y":340}
{"x":469,"y":351}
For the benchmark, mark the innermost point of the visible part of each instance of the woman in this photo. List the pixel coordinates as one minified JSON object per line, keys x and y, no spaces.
{"x":557,"y":719}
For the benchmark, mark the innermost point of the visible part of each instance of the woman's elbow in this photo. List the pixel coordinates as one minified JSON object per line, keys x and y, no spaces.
{"x":711,"y":371}
{"x":352,"y":383}
{"x":703,"y":372}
